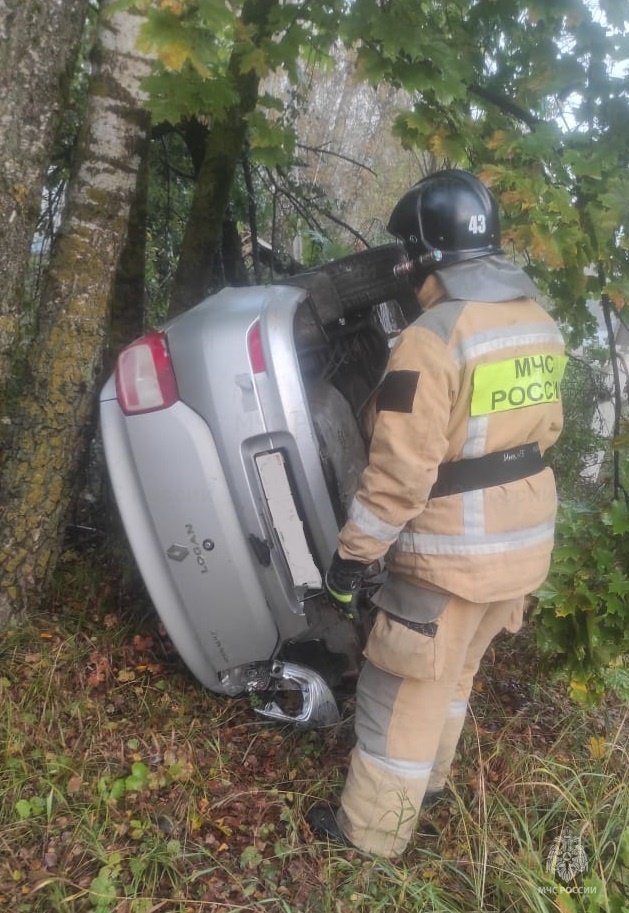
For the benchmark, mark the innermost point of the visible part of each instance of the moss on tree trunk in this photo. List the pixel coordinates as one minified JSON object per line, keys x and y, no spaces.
{"x":39,"y":47}
{"x":38,"y":476}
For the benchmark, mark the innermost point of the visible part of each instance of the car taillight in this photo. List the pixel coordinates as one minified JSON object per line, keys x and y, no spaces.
{"x":256,"y":352}
{"x":145,"y":380}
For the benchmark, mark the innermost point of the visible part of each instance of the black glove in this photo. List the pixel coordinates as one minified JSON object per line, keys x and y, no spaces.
{"x":342,"y":583}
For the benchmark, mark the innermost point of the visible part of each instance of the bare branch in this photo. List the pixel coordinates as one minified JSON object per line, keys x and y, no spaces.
{"x":295,"y":202}
{"x":345,"y":225}
{"x":339,"y":155}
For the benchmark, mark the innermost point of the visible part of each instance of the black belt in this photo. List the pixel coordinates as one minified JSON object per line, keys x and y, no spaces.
{"x":484,"y":472}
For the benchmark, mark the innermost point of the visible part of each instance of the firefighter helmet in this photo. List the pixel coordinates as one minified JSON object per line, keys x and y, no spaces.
{"x":446,"y":217}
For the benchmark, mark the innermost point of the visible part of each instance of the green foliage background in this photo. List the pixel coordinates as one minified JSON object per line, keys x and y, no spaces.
{"x":531,"y":95}
{"x":583,"y":611}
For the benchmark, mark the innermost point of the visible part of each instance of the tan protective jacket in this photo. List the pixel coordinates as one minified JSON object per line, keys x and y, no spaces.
{"x":473,"y":375}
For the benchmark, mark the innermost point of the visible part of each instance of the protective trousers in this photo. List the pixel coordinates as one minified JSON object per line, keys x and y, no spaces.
{"x":411,"y":702}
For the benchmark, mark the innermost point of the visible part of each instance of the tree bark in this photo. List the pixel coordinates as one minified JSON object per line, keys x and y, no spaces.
{"x":128,"y":298}
{"x":39,"y":46}
{"x":223,"y":150}
{"x":37,"y":483}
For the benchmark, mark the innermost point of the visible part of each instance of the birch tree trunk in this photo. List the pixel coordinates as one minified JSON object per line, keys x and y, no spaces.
{"x":37,"y":480}
{"x":38,"y":45}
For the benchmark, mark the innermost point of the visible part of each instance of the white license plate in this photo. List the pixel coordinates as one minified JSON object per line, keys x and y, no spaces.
{"x":286,"y":520}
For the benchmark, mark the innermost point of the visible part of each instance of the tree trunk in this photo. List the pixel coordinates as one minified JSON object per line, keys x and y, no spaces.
{"x":223,"y":150}
{"x":128,"y":298}
{"x":37,"y":483}
{"x":39,"y":45}
{"x":232,"y":258}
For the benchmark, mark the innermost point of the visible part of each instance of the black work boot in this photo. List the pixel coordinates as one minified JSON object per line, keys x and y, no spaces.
{"x":323,"y":824}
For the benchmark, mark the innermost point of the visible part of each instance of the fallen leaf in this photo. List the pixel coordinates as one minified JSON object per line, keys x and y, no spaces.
{"x":597,"y":746}
{"x":74,"y":785}
{"x":142,"y":643}
{"x":50,"y":858}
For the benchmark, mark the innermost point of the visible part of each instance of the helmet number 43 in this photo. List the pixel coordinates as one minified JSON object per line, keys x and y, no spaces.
{"x":478,"y":224}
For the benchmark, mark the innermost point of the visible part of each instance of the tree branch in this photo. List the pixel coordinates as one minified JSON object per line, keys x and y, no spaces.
{"x":343,"y":224}
{"x":339,"y":155}
{"x":294,"y":201}
{"x":505,"y":104}
{"x":253,"y":215}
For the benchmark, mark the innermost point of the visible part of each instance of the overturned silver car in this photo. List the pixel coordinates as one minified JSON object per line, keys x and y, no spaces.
{"x":233,"y":443}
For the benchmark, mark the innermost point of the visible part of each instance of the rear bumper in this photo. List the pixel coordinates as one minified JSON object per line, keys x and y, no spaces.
{"x":196,"y":563}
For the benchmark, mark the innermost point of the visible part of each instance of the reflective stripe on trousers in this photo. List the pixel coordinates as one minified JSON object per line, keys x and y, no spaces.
{"x":407,"y":728}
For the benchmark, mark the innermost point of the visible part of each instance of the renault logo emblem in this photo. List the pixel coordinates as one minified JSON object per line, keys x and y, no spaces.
{"x":177,"y":552}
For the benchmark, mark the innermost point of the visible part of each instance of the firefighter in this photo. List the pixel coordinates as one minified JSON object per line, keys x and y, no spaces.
{"x":455,"y":495}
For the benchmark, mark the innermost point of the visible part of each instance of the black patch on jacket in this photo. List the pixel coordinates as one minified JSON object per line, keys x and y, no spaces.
{"x":397,"y":392}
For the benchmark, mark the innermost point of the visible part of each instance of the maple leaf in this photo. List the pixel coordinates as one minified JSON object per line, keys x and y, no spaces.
{"x":255,"y":60}
{"x":173,"y":55}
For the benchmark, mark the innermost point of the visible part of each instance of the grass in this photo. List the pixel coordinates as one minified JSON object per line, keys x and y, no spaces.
{"x":127,"y":788}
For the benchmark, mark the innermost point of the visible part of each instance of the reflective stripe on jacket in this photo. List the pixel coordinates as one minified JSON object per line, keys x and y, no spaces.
{"x":466,"y":379}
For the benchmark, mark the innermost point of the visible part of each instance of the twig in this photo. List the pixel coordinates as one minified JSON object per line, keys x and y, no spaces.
{"x":339,"y":155}
{"x":343,"y":224}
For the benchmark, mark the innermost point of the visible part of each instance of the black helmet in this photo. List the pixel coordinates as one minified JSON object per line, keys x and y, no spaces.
{"x":447,"y":217}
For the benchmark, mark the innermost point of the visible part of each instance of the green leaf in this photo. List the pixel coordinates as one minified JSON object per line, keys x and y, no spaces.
{"x":271,"y":144}
{"x":173,"y":848}
{"x":138,"y":778}
{"x":38,"y":805}
{"x":23,"y":809}
{"x":103,"y":891}
{"x":177,"y":96}
{"x":583,"y":609}
{"x":255,"y":60}
{"x":618,"y":515}
{"x":137,"y":866}
{"x":215,"y":16}
{"x":250,"y":858}
{"x":118,"y":789}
